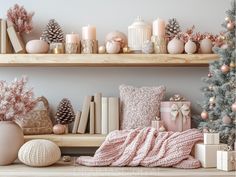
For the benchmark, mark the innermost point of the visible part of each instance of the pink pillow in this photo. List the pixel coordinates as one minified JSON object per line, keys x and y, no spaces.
{"x":139,"y":106}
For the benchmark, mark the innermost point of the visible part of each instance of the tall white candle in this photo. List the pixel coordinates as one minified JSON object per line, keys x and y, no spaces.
{"x":89,"y":32}
{"x":159,"y":28}
{"x":72,"y":38}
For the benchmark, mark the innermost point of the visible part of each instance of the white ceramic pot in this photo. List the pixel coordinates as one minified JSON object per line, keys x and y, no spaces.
{"x":37,"y":46}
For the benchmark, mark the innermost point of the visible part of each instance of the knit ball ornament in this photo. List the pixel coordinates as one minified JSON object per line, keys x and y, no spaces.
{"x":226,"y":119}
{"x":230,"y":26}
{"x":148,"y":47}
{"x":204,"y":115}
{"x":233,"y":107}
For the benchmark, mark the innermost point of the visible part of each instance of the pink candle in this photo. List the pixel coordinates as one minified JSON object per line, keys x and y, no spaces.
{"x":89,"y":32}
{"x":72,"y":38}
{"x":159,"y":28}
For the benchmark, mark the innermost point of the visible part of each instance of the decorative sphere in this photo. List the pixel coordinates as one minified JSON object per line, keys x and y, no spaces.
{"x":37,"y":47}
{"x":204,"y":115}
{"x":230,"y":26}
{"x":226,"y":119}
{"x":113,"y":47}
{"x":212,"y":100}
{"x":210,"y":75}
{"x":148,"y":47}
{"x":211,"y":87}
{"x":162,"y":129}
{"x":232,"y":64}
{"x":227,"y":19}
{"x":233,"y":107}
{"x":102,"y":49}
{"x":206,"y":46}
{"x":190,"y":47}
{"x":175,"y":46}
{"x":59,"y":129}
{"x":224,"y":46}
{"x":225,"y":69}
{"x":205,"y":130}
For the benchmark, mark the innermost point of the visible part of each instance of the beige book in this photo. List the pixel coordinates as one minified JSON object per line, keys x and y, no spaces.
{"x":98,"y":112}
{"x":5,"y":41}
{"x":104,"y":115}
{"x":0,"y":34}
{"x":85,"y":115}
{"x":91,"y":118}
{"x":16,"y":40}
{"x":113,"y":114}
{"x":76,"y":122}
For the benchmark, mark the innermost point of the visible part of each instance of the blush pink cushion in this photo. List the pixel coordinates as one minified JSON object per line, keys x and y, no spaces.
{"x":139,"y":106}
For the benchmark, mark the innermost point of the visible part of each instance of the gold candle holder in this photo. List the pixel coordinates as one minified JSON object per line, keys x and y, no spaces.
{"x":160,"y":44}
{"x":57,"y":48}
{"x":72,"y":48}
{"x":89,"y":46}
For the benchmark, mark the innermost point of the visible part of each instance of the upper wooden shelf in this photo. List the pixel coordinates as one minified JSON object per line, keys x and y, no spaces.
{"x":105,"y":60}
{"x":71,"y":140}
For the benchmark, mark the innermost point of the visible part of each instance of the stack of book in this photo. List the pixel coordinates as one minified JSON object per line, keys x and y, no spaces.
{"x":99,"y":115}
{"x":10,"y":40}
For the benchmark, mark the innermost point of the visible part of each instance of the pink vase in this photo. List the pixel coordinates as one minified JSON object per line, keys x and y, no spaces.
{"x":11,"y":139}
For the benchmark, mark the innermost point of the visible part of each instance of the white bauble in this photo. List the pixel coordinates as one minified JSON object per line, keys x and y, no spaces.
{"x":37,"y":46}
{"x":206,"y":46}
{"x":175,"y":46}
{"x":102,"y":49}
{"x":113,"y":47}
{"x":39,"y":153}
{"x":190,"y":47}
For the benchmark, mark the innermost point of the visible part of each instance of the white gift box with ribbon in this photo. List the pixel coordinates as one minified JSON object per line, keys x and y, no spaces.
{"x":226,"y":160}
{"x":176,"y":116}
{"x":211,"y":138}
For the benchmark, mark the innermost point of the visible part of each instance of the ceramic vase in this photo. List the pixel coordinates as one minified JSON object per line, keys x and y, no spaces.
{"x":11,"y":139}
{"x":175,"y":46}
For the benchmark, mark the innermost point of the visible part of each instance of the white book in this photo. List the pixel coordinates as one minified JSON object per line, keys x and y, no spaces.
{"x":91,"y":118}
{"x":104,"y":115}
{"x":76,"y":122}
{"x":113,"y":113}
{"x":98,"y":112}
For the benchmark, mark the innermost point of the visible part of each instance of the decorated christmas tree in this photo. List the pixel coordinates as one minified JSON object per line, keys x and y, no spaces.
{"x":219,"y":105}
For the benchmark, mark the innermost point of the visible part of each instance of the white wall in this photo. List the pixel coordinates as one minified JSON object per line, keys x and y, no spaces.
{"x":109,"y":15}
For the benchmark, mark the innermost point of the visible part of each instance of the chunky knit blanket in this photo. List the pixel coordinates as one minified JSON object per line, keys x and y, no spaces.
{"x":146,"y":147}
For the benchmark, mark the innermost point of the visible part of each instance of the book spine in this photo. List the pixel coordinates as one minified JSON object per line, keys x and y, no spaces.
{"x":98,"y":112}
{"x":76,"y":122}
{"x":113,"y":114}
{"x":16,"y":40}
{"x":3,"y":36}
{"x":91,"y":116}
{"x":104,"y":115}
{"x":84,"y":116}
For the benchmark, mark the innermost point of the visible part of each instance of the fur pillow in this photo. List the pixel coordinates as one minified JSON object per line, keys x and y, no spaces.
{"x":139,"y":106}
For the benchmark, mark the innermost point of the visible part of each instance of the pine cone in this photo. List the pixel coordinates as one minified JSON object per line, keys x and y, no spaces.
{"x":65,"y":113}
{"x":172,"y":28}
{"x":52,"y":33}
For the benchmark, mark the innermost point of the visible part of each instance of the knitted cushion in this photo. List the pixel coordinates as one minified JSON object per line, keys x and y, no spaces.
{"x":139,"y":106}
{"x":39,"y":153}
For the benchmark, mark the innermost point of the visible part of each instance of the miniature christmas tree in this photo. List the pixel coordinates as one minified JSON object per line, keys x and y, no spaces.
{"x":53,"y":32}
{"x":172,"y":28}
{"x":219,"y":105}
{"x":65,"y":113}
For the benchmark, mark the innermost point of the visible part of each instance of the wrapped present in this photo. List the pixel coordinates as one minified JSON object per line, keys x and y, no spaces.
{"x":157,"y":123}
{"x":207,"y":154}
{"x":226,"y":160}
{"x":176,"y":115}
{"x":211,"y":138}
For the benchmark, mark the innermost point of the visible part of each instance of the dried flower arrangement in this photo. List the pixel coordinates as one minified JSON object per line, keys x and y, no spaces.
{"x":21,"y":19}
{"x":15,"y":99}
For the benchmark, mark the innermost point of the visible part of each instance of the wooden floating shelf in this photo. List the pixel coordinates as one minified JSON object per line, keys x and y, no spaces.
{"x":71,"y":140}
{"x":106,"y":60}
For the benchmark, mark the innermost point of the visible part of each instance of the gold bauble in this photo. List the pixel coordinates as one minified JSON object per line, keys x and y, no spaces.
{"x":232,"y":64}
{"x":212,"y":100}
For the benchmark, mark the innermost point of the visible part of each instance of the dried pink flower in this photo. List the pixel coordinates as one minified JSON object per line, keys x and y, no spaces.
{"x":21,"y":19}
{"x":15,"y":99}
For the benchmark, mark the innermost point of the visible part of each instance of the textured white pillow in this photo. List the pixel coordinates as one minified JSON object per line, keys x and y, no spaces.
{"x":139,"y":106}
{"x":39,"y":153}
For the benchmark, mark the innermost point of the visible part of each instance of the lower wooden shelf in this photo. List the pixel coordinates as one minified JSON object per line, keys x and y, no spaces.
{"x":71,"y":140}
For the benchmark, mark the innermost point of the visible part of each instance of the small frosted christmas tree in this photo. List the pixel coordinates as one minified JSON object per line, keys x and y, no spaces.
{"x":219,"y":105}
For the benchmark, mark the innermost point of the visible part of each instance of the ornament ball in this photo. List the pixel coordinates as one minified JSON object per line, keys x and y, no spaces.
{"x":212,"y":100}
{"x":230,"y":26}
{"x":232,"y":64}
{"x":210,"y":75}
{"x":227,"y":19}
{"x":224,"y":69}
{"x":233,"y":107}
{"x":226,"y":119}
{"x":204,"y":115}
{"x":59,"y":129}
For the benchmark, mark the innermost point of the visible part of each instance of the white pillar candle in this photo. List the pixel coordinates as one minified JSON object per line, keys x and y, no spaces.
{"x":72,"y":38}
{"x":89,"y":32}
{"x":159,"y":28}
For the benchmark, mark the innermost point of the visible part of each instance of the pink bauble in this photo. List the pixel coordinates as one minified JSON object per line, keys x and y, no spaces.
{"x":117,"y":35}
{"x":204,"y":115}
{"x":113,"y":47}
{"x":226,"y":120}
{"x":206,"y":46}
{"x":225,"y":69}
{"x":233,"y":107}
{"x":59,"y":129}
{"x":190,"y":47}
{"x":225,"y":46}
{"x":210,"y":75}
{"x":230,"y":26}
{"x":175,"y":46}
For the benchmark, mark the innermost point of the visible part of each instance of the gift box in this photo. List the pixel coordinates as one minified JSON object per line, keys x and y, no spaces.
{"x":211,"y":138}
{"x":207,"y":154}
{"x":226,"y":160}
{"x":176,"y":115}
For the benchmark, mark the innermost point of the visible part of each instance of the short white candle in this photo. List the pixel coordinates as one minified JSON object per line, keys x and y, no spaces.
{"x":72,"y":38}
{"x":89,"y":32}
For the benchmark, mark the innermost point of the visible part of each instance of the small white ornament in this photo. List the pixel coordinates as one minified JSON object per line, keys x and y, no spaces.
{"x":175,"y":46}
{"x":148,"y":47}
{"x":206,"y":46}
{"x":102,"y":49}
{"x":113,"y":47}
{"x":190,"y":47}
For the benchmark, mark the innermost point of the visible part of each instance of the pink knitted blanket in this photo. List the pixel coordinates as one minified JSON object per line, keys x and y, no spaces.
{"x":146,"y":147}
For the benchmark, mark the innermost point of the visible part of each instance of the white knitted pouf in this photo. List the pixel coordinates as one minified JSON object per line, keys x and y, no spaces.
{"x":39,"y":153}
